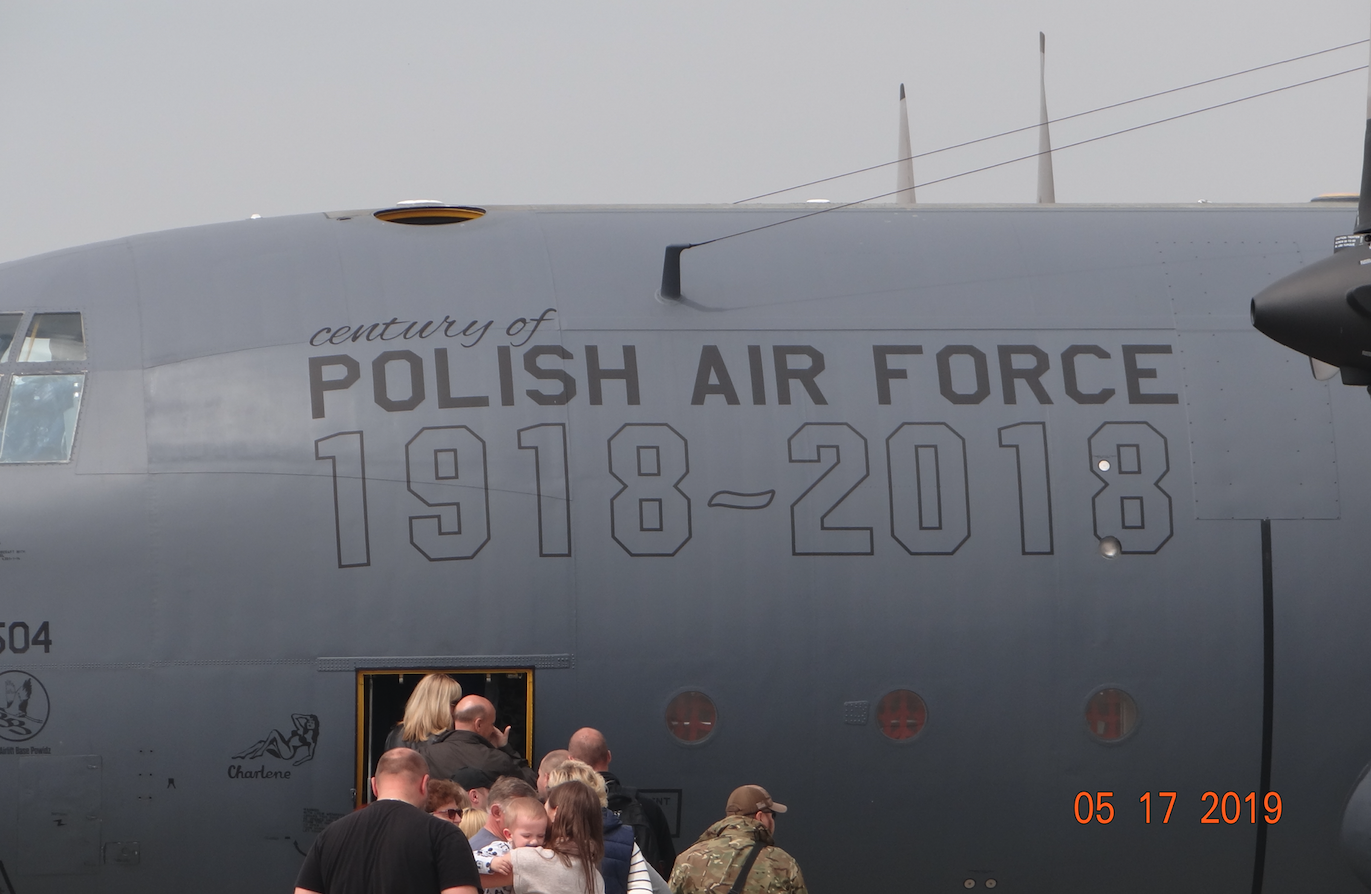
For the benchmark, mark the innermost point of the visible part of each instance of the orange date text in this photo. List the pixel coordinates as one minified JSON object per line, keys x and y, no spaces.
{"x":1228,"y":808}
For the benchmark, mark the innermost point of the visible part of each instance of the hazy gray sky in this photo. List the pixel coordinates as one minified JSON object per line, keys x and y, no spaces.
{"x":120,"y":118}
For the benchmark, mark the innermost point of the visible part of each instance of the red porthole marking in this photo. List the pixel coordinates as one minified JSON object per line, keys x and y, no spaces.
{"x":901,"y":714}
{"x":691,"y":716}
{"x":1111,"y":714}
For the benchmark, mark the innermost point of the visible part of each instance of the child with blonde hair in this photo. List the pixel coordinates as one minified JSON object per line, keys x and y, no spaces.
{"x":570,"y":861}
{"x":525,"y":821}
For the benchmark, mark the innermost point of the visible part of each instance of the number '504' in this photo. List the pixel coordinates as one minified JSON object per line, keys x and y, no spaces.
{"x":15,"y":637}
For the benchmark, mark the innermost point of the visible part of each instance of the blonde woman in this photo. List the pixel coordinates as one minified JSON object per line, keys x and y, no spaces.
{"x":428,"y":711}
{"x":571,"y":769}
{"x":473,"y":821}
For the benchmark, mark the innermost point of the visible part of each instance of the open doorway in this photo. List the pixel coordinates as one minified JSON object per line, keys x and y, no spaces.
{"x":382,"y":694}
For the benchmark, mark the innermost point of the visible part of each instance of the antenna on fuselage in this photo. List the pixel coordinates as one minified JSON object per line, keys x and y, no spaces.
{"x":1047,"y":190}
{"x":904,"y":168}
{"x":671,"y":271}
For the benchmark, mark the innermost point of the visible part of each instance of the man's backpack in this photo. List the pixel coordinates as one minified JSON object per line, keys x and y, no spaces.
{"x":624,"y":804}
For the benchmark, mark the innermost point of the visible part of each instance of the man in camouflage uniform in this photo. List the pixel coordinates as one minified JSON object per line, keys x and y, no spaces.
{"x":712,"y":864}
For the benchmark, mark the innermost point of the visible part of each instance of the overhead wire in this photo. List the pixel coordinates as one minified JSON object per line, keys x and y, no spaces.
{"x":1006,"y":133}
{"x":1000,"y":164}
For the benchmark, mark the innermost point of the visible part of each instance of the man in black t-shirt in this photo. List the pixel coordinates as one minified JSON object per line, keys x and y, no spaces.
{"x":392,"y":845}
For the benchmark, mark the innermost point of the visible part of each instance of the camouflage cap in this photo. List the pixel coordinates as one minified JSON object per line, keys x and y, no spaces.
{"x":748,"y":799}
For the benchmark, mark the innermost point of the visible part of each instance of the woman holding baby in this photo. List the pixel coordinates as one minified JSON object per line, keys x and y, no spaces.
{"x":569,"y":860}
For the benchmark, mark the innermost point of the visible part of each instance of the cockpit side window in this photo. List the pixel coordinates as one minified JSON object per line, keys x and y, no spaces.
{"x":40,"y":418}
{"x":41,"y":384}
{"x":54,"y":337}
{"x":9,"y":324}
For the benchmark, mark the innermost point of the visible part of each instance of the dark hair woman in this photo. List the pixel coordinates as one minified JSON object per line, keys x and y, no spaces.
{"x":569,"y":863}
{"x":446,"y":800}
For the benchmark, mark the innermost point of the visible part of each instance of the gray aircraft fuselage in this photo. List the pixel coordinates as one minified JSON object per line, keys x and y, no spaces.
{"x":875,"y":451}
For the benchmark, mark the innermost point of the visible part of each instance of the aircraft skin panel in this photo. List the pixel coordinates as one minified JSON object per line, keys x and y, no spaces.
{"x":1321,"y":733}
{"x":203,"y":293}
{"x":488,"y":609}
{"x":947,"y":269}
{"x":113,"y":424}
{"x":1205,"y":279}
{"x":1238,"y":447}
{"x":864,"y":455}
{"x":237,"y":411}
{"x":1220,"y":356}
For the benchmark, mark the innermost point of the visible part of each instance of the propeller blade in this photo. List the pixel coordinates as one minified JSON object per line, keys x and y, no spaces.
{"x":1047,"y":190}
{"x":1364,"y":200}
{"x":904,"y":171}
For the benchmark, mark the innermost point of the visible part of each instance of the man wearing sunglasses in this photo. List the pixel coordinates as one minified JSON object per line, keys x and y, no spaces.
{"x":740,"y":845}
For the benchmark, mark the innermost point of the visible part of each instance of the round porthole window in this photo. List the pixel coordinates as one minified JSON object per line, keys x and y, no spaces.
{"x":691,"y":716}
{"x":1111,"y":714}
{"x":901,"y":714}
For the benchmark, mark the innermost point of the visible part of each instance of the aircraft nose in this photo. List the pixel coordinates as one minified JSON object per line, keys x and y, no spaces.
{"x":1322,"y":310}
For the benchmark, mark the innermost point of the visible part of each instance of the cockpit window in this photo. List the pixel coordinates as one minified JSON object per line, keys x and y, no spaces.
{"x":41,"y":382}
{"x":9,"y":324}
{"x":40,"y":419}
{"x":54,"y":337}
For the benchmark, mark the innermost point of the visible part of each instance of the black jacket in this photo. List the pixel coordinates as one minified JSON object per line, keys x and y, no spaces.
{"x":457,"y":748}
{"x":649,"y":824}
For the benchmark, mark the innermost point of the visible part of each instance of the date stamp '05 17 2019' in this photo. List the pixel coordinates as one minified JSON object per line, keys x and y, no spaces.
{"x":1230,"y":807}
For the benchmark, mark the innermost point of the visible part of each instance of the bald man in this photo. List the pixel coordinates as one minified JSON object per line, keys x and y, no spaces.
{"x":650,"y":828}
{"x":551,"y":761}
{"x":475,"y":741}
{"x":392,"y":845}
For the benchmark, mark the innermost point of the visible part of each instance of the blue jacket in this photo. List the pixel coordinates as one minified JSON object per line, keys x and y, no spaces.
{"x":618,"y":854}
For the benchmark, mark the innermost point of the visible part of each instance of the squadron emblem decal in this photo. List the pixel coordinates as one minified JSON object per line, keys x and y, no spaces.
{"x":25,"y":708}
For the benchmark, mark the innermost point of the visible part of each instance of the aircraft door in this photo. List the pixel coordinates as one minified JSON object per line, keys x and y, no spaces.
{"x":382,"y":694}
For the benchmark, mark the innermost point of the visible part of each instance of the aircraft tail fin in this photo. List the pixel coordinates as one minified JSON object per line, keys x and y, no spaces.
{"x":1047,"y":190}
{"x":904,"y":168}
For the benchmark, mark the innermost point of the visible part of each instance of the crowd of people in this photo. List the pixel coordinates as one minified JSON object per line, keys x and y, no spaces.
{"x":458,"y":810}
